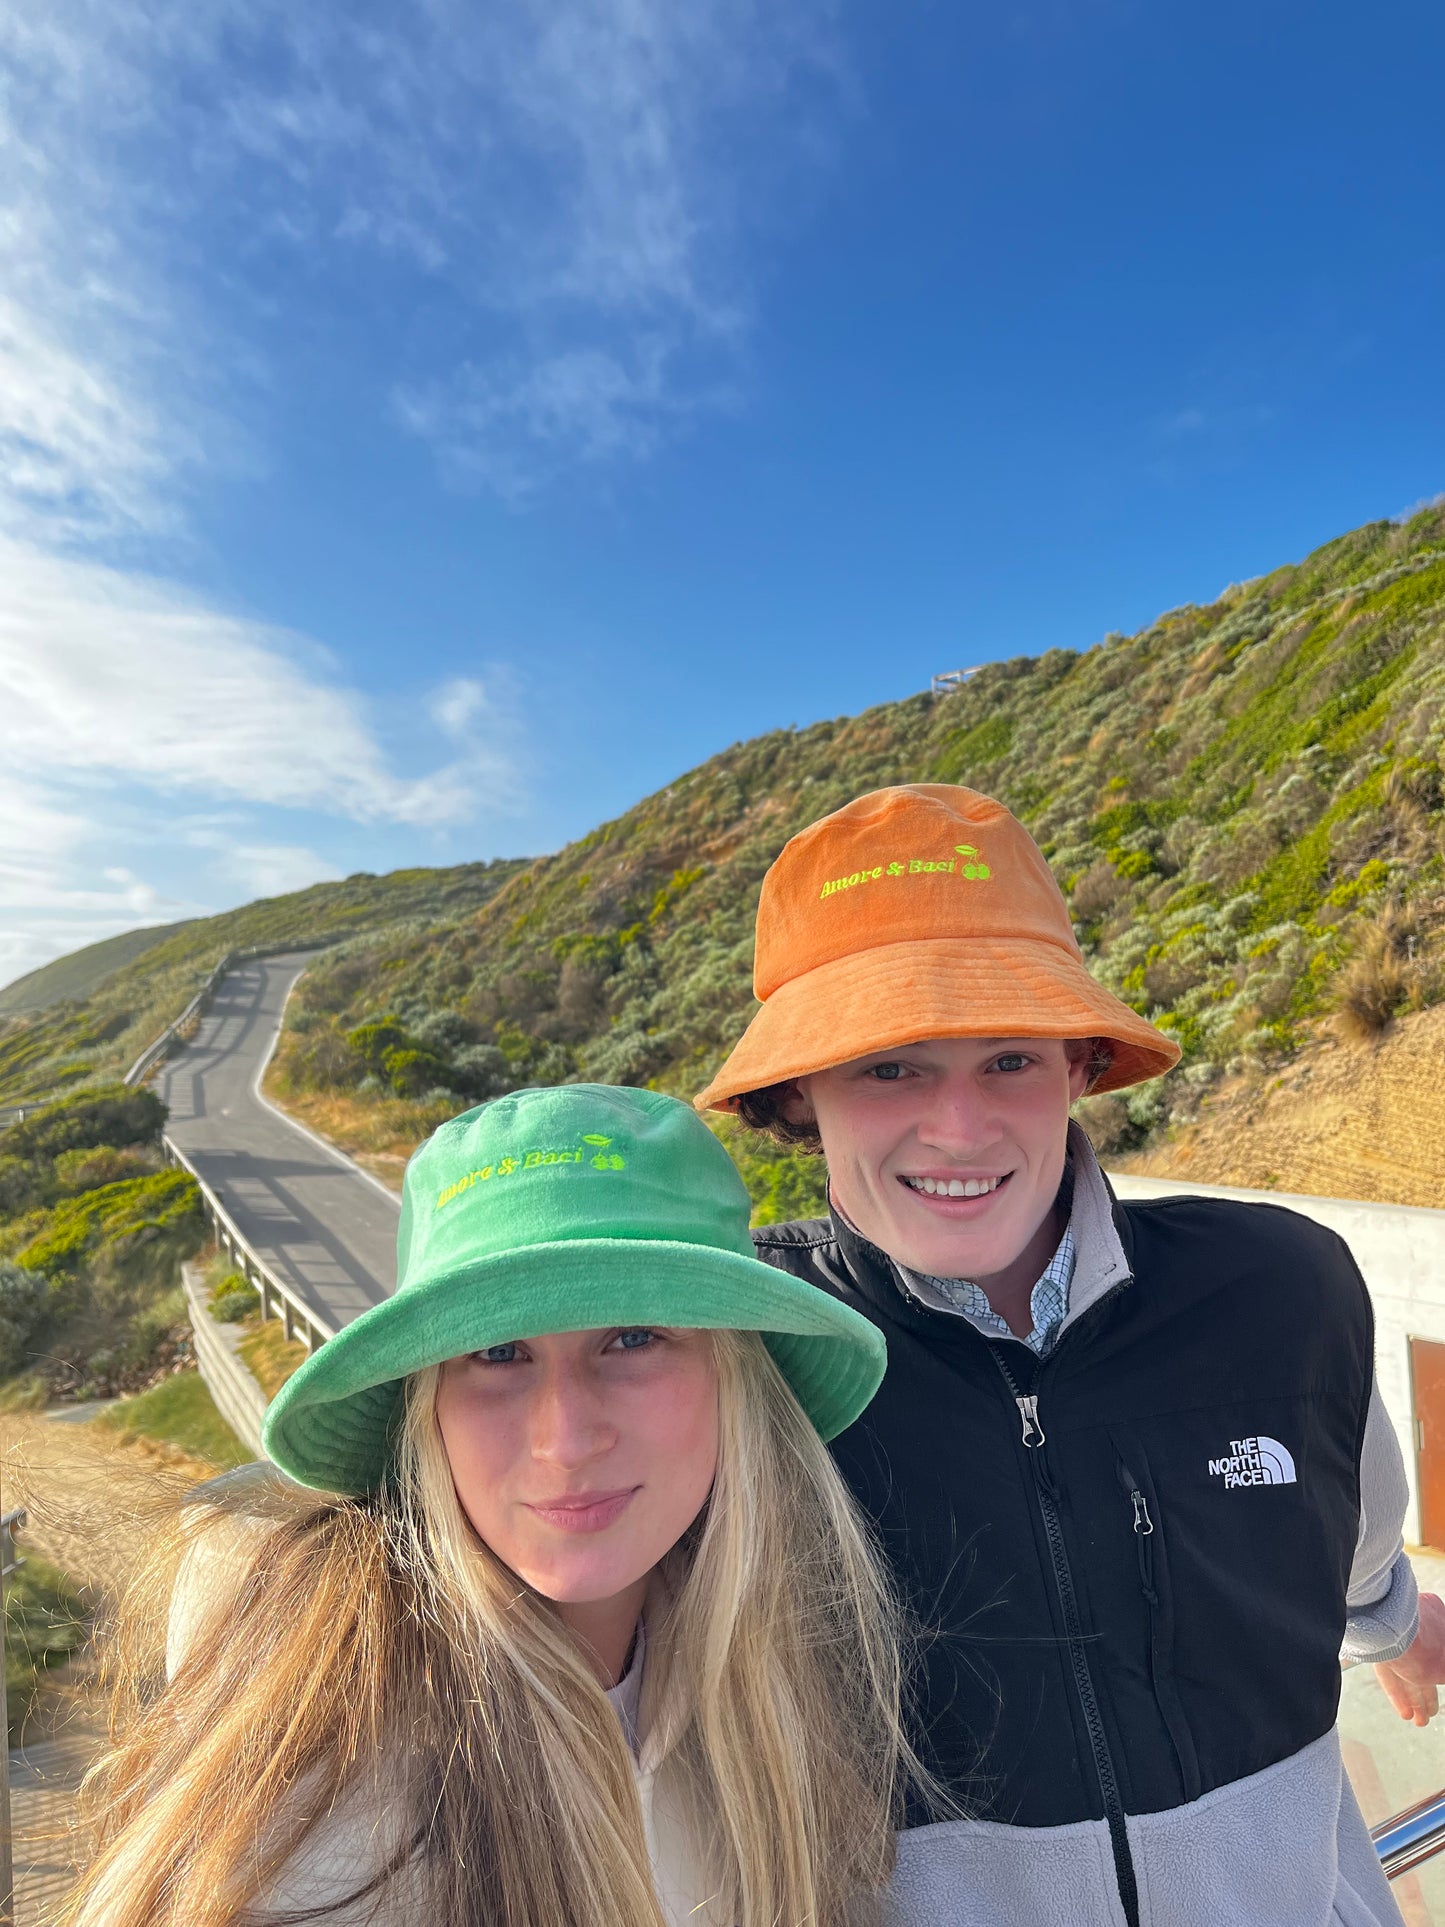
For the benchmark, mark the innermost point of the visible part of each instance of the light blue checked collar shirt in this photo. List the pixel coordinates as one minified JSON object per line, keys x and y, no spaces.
{"x":1048,"y":1302}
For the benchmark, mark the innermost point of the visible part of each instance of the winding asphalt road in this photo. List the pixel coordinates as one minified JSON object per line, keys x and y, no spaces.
{"x":324,"y":1226}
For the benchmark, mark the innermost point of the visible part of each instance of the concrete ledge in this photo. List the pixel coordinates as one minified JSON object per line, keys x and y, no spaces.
{"x":239,"y":1399}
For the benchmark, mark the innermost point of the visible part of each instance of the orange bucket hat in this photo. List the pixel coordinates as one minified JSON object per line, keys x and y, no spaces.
{"x":916,"y":912}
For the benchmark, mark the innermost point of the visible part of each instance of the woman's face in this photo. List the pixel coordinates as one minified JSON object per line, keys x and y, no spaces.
{"x":583,"y":1457}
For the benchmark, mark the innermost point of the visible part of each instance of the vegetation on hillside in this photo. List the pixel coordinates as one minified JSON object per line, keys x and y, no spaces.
{"x":179,"y":1412}
{"x":93,"y":1227}
{"x":76,"y":1041}
{"x":80,"y":972}
{"x":46,"y":1622}
{"x":1244,"y":804}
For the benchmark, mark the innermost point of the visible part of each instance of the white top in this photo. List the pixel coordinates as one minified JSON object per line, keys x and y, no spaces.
{"x":626,"y":1696}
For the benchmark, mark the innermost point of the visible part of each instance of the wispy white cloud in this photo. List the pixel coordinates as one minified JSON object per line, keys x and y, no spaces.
{"x":110,"y":674}
{"x":271,"y":869}
{"x":53,"y":899}
{"x":121,"y":687}
{"x":458,"y":705}
{"x":585,"y":179}
{"x":576,"y":185}
{"x":515,"y":427}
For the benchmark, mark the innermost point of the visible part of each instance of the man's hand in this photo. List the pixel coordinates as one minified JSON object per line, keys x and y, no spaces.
{"x":1412,"y":1681}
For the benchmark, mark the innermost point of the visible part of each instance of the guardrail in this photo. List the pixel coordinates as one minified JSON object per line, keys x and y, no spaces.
{"x":10,"y":1561}
{"x":278,"y":1300}
{"x":155,"y":1052}
{"x":1408,"y":1838}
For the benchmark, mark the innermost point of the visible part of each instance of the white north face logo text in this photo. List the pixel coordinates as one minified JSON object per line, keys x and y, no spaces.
{"x":1258,"y":1461}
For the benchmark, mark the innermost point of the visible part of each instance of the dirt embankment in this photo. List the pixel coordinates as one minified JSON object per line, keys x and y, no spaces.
{"x":1345,"y":1120}
{"x":95,"y":1503}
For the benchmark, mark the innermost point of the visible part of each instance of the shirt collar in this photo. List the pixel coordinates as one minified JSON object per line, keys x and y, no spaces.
{"x":1088,"y":1261}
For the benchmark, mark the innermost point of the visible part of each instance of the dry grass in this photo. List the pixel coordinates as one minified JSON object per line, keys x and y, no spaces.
{"x":92,"y":1496}
{"x":1373,"y":988}
{"x":271,"y":1356}
{"x":1383,"y":978}
{"x":379,"y":1134}
{"x":1346,"y":1119}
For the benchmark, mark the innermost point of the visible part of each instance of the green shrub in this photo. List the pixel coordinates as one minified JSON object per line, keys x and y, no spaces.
{"x":784,"y":1184}
{"x":412,"y":1073}
{"x":24,"y":1315}
{"x":372,"y":1041}
{"x":121,"y":1216}
{"x":152,"y":1331}
{"x":46,"y":1621}
{"x":230,"y":1307}
{"x":111,"y":1115}
{"x":89,"y":1168}
{"x":322,"y":1059}
{"x":22,"y":1185}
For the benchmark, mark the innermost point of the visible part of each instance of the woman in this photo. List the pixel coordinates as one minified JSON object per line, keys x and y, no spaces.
{"x":585,"y":1631}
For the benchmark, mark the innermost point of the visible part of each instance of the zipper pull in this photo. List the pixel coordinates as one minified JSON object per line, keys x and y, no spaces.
{"x":1143,"y":1524}
{"x":1029,"y":1411}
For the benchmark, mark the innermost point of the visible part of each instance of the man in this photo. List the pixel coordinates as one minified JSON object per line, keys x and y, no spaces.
{"x":1127,"y":1459}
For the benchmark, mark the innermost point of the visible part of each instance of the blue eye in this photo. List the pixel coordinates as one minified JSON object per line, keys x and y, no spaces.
{"x":1011,"y":1060}
{"x":886,"y":1073}
{"x":499,"y":1354}
{"x":635,"y":1341}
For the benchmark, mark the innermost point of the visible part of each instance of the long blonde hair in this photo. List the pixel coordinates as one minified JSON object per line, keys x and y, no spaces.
{"x":379,"y":1642}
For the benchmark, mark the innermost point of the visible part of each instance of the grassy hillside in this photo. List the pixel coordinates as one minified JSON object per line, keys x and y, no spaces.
{"x":93,"y":1229}
{"x":82,"y":972}
{"x":97,"y":1036}
{"x":1244,"y":804}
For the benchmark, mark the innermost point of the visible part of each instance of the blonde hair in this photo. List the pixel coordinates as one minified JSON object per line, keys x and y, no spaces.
{"x":381,"y":1638}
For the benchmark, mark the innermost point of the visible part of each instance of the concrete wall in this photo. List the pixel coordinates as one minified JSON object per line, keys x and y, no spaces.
{"x":1400,"y":1249}
{"x":239,"y":1399}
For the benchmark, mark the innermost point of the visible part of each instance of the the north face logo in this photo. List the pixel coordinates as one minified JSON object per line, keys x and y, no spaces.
{"x":1258,"y":1461}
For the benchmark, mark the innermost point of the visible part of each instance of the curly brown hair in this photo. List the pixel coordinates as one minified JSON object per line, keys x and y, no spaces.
{"x":763,"y":1111}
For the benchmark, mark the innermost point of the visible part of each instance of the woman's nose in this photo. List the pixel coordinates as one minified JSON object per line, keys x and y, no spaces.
{"x":570,"y":1423}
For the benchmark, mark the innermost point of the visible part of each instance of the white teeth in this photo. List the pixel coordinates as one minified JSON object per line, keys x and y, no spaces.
{"x":954,"y":1187}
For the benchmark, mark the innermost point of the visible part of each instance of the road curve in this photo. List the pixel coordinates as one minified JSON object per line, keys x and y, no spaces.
{"x":323,"y":1226}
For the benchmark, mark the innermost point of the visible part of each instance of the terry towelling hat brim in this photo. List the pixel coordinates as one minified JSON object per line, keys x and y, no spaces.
{"x":904,"y":993}
{"x":333,"y":1424}
{"x":925,"y":910}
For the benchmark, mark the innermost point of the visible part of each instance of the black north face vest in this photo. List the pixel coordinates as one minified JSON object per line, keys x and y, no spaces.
{"x":1129,"y":1562}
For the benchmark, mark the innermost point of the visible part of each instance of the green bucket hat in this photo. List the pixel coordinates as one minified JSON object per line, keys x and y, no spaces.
{"x":570,"y":1209}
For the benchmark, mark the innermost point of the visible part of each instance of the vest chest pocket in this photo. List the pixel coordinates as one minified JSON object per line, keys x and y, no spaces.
{"x":1138,"y":1494}
{"x":1254,"y":1515}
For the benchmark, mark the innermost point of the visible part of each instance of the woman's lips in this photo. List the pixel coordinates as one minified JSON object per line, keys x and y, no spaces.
{"x":584,"y":1511}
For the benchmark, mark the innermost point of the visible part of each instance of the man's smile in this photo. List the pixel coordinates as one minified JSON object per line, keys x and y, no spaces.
{"x":951,"y":1185}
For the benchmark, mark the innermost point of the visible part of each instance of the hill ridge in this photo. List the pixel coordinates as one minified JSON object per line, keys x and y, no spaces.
{"x":1243,"y":802}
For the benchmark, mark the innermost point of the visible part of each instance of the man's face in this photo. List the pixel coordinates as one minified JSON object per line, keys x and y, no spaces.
{"x":909,"y":1133}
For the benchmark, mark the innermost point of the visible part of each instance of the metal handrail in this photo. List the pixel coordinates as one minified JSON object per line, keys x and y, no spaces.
{"x":1407,"y":1838}
{"x":159,"y":1048}
{"x":200,"y":1003}
{"x":10,"y":1524}
{"x":278,"y":1300}
{"x":10,"y":1561}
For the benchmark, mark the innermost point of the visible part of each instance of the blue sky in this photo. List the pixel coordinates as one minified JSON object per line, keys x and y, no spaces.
{"x":427,"y":427}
